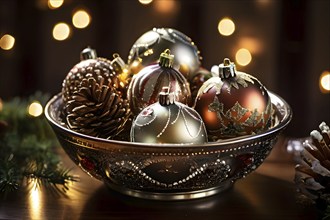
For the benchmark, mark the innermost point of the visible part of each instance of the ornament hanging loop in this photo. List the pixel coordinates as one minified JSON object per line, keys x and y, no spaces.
{"x":166,"y":59}
{"x":166,"y":97}
{"x":88,"y":53}
{"x":227,"y":69}
{"x":118,"y":63}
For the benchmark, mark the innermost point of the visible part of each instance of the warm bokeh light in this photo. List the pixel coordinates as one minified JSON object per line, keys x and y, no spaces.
{"x":35,"y":109}
{"x":1,"y":105}
{"x":254,"y":45}
{"x":35,"y":201}
{"x":325,"y":82}
{"x":226,"y":27}
{"x":243,"y":57}
{"x":123,"y":76}
{"x":61,"y":31}
{"x":81,"y":19}
{"x":53,"y":4}
{"x":166,"y":6}
{"x":263,"y":3}
{"x":145,"y":2}
{"x":7,"y":42}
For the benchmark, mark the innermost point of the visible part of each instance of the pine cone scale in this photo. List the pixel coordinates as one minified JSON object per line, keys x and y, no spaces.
{"x":103,"y":94}
{"x":313,"y":168}
{"x":110,"y":100}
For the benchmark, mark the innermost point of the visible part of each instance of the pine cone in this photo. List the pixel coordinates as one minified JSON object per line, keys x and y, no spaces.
{"x":313,"y":168}
{"x":93,"y":67}
{"x":96,"y":108}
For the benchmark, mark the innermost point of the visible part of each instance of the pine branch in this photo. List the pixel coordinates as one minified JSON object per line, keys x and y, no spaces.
{"x":9,"y":177}
{"x":27,"y":149}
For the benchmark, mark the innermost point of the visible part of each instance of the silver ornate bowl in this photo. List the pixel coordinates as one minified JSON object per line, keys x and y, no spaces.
{"x":168,"y":171}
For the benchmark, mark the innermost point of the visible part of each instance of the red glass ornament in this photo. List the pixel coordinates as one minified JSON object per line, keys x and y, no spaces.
{"x":148,"y":83}
{"x":233,"y":104}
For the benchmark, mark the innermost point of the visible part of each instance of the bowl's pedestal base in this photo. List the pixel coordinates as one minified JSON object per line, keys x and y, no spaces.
{"x":168,"y":196}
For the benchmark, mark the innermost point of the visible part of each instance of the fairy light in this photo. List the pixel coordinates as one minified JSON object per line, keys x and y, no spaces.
{"x":243,"y":57}
{"x":35,"y":109}
{"x":226,"y":27}
{"x":61,"y":31}
{"x":325,"y":82}
{"x":123,"y":77}
{"x":54,"y":4}
{"x":7,"y":42}
{"x":81,"y":19}
{"x":145,"y":2}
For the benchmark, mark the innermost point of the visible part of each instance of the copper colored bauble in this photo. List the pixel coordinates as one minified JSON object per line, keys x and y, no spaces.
{"x":233,"y":104}
{"x":148,"y":83}
{"x":167,"y":121}
{"x":147,"y":48}
{"x":93,"y":103}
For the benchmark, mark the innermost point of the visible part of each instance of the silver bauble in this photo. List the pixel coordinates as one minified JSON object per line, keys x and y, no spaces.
{"x":147,"y":48}
{"x":168,"y":121}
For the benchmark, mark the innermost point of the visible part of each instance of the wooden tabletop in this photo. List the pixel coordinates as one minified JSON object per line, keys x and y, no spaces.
{"x":267,"y":193}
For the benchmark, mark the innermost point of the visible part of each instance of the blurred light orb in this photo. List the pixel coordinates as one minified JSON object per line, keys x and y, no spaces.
{"x":145,"y":2}
{"x":325,"y":82}
{"x":166,"y":6}
{"x":81,"y":19}
{"x":226,"y":27}
{"x":53,"y":4}
{"x":243,"y":57}
{"x":254,"y":45}
{"x":35,"y":109}
{"x":61,"y":31}
{"x":7,"y":42}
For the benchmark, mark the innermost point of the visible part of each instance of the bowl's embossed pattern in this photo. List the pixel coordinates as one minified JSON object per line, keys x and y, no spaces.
{"x":168,"y":171}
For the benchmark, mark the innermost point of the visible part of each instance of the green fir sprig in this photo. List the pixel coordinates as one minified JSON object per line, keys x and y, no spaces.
{"x":28,"y":148}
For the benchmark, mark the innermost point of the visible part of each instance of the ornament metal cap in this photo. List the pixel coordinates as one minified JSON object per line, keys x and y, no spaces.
{"x":227,"y":69}
{"x":166,"y":59}
{"x":88,"y":53}
{"x":166,"y":97}
{"x":118,"y":63}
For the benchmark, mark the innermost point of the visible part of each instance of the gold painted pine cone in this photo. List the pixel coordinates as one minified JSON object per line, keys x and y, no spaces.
{"x":96,"y":109}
